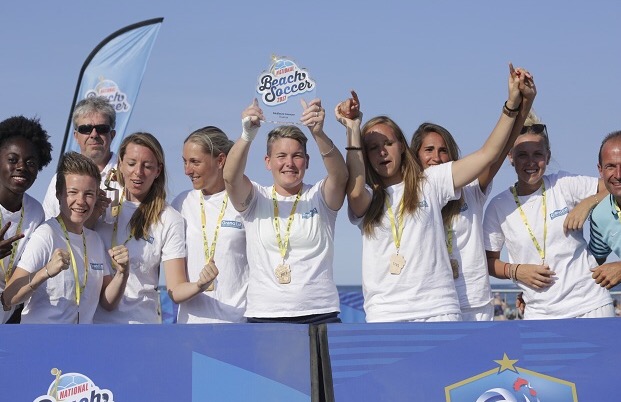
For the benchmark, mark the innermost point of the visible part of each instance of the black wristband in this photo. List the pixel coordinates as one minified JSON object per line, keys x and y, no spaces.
{"x":353,"y":148}
{"x":517,"y":109}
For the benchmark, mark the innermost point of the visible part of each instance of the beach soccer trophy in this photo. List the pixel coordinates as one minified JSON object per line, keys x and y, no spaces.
{"x":281,"y":89}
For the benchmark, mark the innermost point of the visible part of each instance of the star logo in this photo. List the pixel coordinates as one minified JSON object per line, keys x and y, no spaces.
{"x":506,"y":364}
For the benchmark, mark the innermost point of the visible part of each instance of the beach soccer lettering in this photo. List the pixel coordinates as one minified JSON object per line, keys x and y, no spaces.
{"x":282,"y":82}
{"x":111,"y":91}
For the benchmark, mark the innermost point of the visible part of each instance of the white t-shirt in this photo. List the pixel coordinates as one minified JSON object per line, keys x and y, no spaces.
{"x":472,"y":284}
{"x":54,"y":301}
{"x":425,"y":287}
{"x":309,"y":255}
{"x":50,"y":202}
{"x":140,"y":303}
{"x":574,"y":291}
{"x":33,"y":217}
{"x":227,"y":302}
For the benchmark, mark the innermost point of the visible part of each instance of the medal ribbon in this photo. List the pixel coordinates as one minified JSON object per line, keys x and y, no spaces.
{"x":615,"y":205}
{"x":540,"y":250}
{"x":8,"y":271}
{"x":115,"y":226}
{"x":79,"y":287}
{"x":283,"y":245}
{"x":209,"y":252}
{"x":396,"y":232}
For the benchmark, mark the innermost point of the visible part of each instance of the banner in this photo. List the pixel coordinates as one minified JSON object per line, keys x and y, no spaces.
{"x":114,"y":69}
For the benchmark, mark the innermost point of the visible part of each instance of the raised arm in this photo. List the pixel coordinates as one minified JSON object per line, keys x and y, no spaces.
{"x":348,"y":114}
{"x":334,"y":186}
{"x":237,"y":184}
{"x":471,"y":166}
{"x":526,"y":87}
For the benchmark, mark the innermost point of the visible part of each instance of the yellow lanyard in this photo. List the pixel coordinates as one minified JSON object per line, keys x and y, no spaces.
{"x":396,"y":232}
{"x":8,"y":271}
{"x":542,"y":251}
{"x":210,"y":252}
{"x":115,"y":226}
{"x":79,"y":287}
{"x":283,"y":245}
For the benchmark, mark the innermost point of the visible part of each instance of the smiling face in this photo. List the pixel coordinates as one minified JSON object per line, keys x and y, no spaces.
{"x":433,"y":150}
{"x":384,"y":152}
{"x":77,"y":200}
{"x":610,"y":167}
{"x":288,"y":163}
{"x":530,"y":157}
{"x":203,"y":169}
{"x":139,"y":168}
{"x":19,"y":166}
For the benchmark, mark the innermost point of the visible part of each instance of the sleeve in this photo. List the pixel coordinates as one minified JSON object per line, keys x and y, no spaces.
{"x":441,"y":177}
{"x":38,"y":250}
{"x":50,"y":203}
{"x":576,"y":188}
{"x":597,"y":245}
{"x":492,"y":230}
{"x":173,"y":244}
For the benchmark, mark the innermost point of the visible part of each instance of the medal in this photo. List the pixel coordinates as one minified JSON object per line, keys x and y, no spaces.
{"x":211,"y":287}
{"x":283,"y":274}
{"x":455,"y":268}
{"x":397,"y":262}
{"x":115,"y":211}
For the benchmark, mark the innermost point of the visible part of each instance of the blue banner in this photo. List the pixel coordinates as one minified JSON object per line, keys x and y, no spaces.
{"x":97,"y":363}
{"x":114,"y":69}
{"x":546,"y":360}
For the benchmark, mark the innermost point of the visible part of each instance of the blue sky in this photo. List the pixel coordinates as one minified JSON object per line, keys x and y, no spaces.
{"x":444,"y":62}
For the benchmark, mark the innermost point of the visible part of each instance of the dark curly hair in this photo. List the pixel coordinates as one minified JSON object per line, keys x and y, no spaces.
{"x":30,"y":129}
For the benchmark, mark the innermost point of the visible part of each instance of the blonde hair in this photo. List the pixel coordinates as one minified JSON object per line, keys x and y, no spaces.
{"x":150,"y":209}
{"x":78,"y":164}
{"x":412,"y":178}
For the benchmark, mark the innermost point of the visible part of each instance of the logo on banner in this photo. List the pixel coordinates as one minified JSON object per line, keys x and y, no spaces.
{"x":74,"y":387}
{"x":283,"y":82}
{"x":110,"y":90}
{"x":511,"y":384}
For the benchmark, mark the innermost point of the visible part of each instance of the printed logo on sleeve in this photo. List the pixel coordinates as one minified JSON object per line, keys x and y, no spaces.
{"x":559,"y":212}
{"x":231,"y":224}
{"x":310,"y":214}
{"x":97,"y":266}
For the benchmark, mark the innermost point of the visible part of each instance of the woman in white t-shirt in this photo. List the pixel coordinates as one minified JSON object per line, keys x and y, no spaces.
{"x":214,"y":231}
{"x":152,"y":231}
{"x":406,"y":270}
{"x":433,"y":145}
{"x":24,"y":151}
{"x":289,"y":225}
{"x":64,"y":272}
{"x":548,"y":261}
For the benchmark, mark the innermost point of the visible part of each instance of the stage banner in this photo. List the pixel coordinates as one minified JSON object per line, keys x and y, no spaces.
{"x":114,"y":69}
{"x":212,"y":362}
{"x":547,"y":360}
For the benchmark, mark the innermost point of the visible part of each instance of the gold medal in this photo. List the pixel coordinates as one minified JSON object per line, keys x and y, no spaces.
{"x":283,"y":274}
{"x":115,"y":211}
{"x":455,"y":268}
{"x":397,"y":262}
{"x":211,"y":287}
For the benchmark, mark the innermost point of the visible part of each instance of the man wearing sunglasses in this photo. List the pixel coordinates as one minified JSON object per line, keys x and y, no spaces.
{"x":93,"y":124}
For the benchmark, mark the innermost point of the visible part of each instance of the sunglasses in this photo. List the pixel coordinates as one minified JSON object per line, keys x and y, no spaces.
{"x":88,"y":128}
{"x":535,"y":129}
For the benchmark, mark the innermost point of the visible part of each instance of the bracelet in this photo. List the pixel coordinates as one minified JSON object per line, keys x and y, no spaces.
{"x":324,"y":154}
{"x":515,"y":279}
{"x":48,"y":273}
{"x":517,"y":109}
{"x":505,"y":270}
{"x":353,"y":148}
